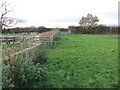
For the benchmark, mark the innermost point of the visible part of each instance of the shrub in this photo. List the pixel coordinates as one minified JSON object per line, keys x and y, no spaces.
{"x":6,"y":79}
{"x":28,"y":73}
{"x":40,"y":55}
{"x":23,"y":75}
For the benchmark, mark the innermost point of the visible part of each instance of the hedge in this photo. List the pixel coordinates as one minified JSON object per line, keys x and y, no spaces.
{"x":94,"y":29}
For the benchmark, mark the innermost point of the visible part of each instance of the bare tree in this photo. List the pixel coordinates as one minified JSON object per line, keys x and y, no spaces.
{"x":5,"y":20}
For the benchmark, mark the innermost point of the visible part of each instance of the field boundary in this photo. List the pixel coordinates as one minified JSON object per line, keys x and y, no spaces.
{"x":42,"y":39}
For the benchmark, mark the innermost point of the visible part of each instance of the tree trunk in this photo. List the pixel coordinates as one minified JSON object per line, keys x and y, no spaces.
{"x":0,"y":27}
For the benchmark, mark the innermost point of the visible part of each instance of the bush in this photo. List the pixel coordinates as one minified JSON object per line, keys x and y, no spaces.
{"x":24,"y":75}
{"x":6,"y":79}
{"x":40,"y":55}
{"x":28,"y":73}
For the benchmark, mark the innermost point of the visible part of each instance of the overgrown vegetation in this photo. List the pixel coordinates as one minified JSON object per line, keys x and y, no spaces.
{"x":29,"y":73}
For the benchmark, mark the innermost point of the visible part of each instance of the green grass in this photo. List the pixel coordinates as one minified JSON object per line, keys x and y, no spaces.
{"x":4,"y":47}
{"x":83,"y":61}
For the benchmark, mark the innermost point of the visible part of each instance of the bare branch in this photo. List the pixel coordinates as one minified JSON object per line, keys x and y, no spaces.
{"x":6,"y":21}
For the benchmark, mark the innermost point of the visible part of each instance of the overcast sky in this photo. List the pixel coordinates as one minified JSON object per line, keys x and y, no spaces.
{"x":63,"y":13}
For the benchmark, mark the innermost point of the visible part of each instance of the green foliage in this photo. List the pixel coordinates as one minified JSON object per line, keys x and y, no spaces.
{"x":55,"y":41}
{"x":6,"y":79}
{"x":57,"y":37}
{"x":40,"y":55}
{"x":93,"y":30}
{"x":28,"y":73}
{"x":83,"y":61}
{"x":89,"y":20}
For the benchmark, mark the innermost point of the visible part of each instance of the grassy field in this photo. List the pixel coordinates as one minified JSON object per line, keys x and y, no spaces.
{"x":83,"y":61}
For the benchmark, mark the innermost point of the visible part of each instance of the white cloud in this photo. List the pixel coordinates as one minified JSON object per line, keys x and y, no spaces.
{"x":53,"y":13}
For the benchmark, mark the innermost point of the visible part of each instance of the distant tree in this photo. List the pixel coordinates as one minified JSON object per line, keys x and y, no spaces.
{"x":89,"y":20}
{"x":5,"y":19}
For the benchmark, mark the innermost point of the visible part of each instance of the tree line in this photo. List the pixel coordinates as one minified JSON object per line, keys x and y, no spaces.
{"x":27,"y":30}
{"x":100,"y":29}
{"x":88,"y":25}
